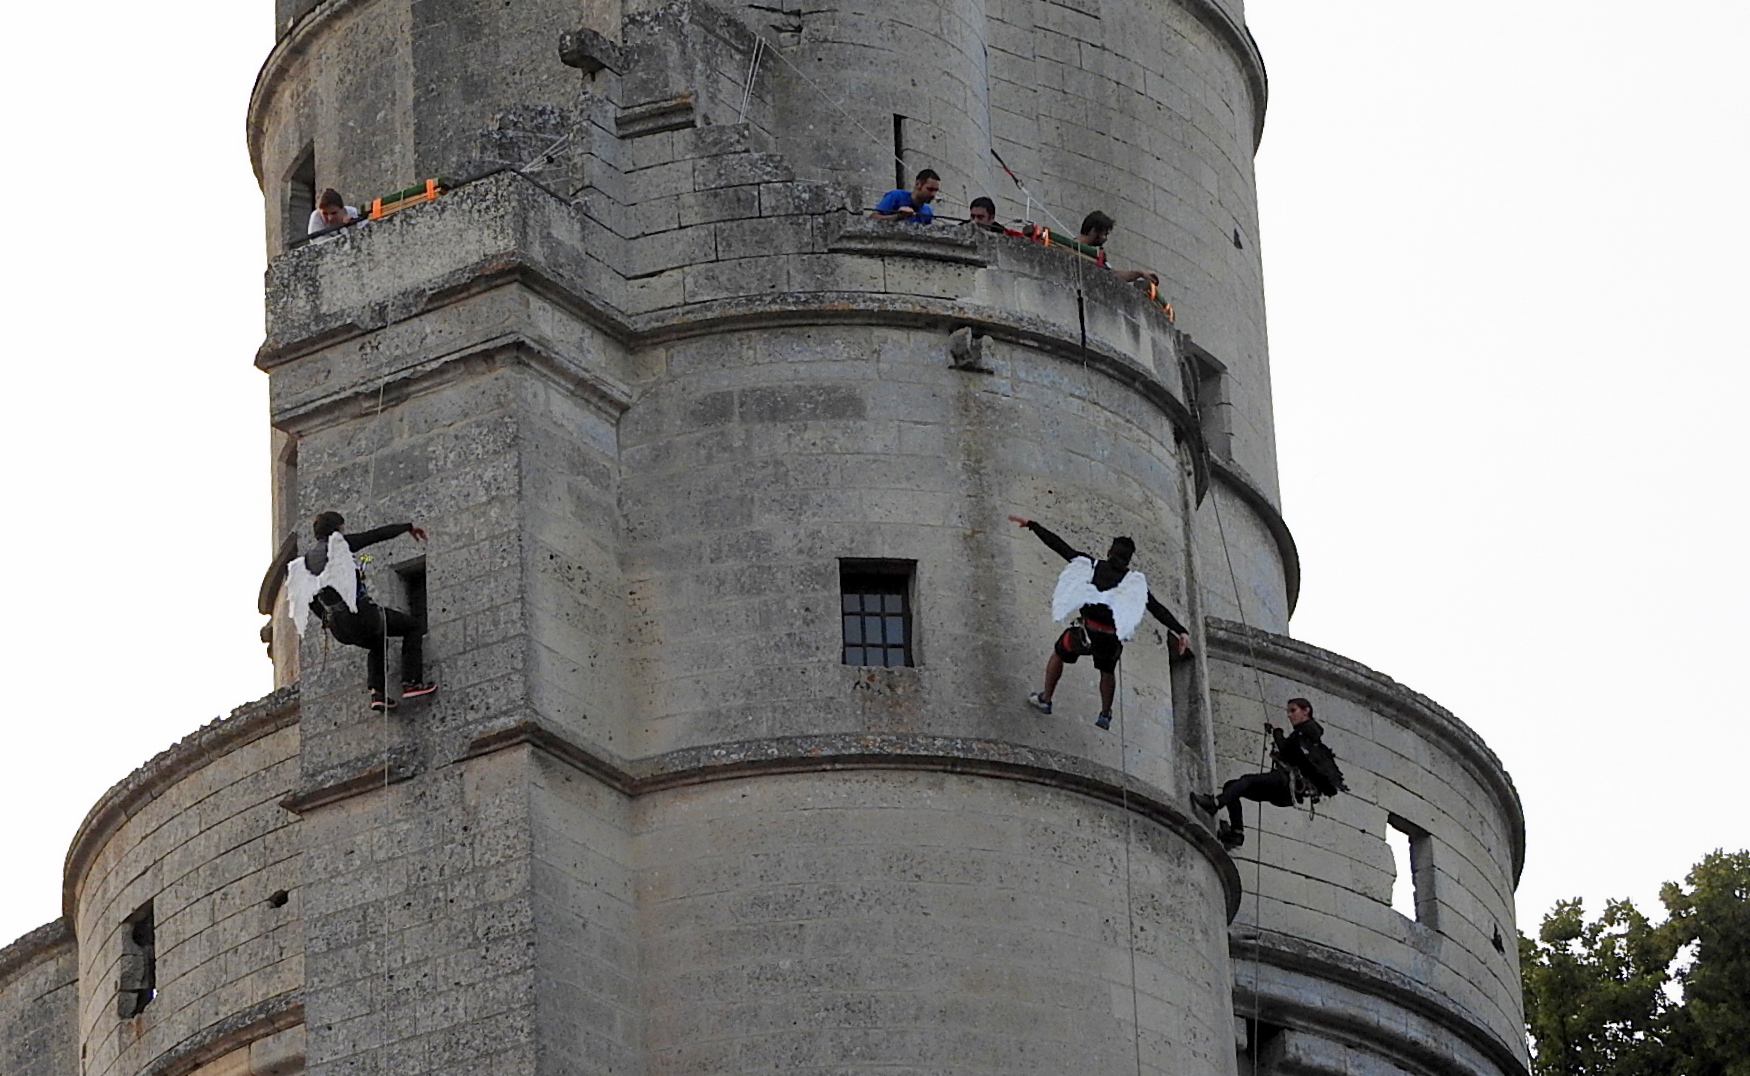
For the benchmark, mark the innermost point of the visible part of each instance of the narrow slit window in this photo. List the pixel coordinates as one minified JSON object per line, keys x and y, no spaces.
{"x":1412,"y":848}
{"x":875,"y":611}
{"x":137,"y":983}
{"x":899,"y":177}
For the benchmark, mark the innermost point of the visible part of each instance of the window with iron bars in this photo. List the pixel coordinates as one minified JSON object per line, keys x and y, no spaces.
{"x":875,"y":602}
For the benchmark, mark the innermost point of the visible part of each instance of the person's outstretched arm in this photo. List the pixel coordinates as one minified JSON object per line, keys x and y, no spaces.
{"x":1181,"y":634}
{"x":356,"y":542}
{"x":1056,"y":544}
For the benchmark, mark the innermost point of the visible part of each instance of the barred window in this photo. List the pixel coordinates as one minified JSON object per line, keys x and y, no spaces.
{"x":876,"y":606}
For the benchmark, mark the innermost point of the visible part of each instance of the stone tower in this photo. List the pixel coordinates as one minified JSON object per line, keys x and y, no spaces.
{"x":669,"y":406}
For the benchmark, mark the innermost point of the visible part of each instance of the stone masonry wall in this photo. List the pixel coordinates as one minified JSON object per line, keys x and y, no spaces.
{"x":1148,"y":111}
{"x":916,"y":922}
{"x":757,"y":461}
{"x":205,"y":840}
{"x":1324,"y":877}
{"x":39,"y":995}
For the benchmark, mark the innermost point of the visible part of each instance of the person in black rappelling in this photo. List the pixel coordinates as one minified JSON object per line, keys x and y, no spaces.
{"x":326,"y":581}
{"x":1300,"y":766}
{"x":1103,"y":600}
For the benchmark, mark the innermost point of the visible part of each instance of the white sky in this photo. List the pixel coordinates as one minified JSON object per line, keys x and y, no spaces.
{"x":1503,"y":241}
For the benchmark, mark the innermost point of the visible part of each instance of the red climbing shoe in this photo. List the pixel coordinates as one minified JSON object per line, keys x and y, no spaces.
{"x":414,"y":691}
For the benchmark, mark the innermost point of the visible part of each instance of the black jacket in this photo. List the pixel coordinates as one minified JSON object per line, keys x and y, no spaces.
{"x":1304,"y":749}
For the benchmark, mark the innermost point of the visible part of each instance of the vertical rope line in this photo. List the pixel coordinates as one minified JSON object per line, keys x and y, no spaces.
{"x":1129,"y":885}
{"x":383,"y":724}
{"x":753,"y":66}
{"x":1257,"y":859}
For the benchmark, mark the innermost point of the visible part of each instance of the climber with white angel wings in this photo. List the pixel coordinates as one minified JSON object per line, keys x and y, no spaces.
{"x":326,"y":581}
{"x":1101,"y":602}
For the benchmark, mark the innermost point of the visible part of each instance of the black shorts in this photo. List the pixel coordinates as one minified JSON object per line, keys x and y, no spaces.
{"x":1104,"y":646}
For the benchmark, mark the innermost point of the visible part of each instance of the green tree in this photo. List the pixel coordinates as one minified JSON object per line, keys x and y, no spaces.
{"x":1594,"y":993}
{"x":1712,"y":1026}
{"x":1596,"y":997}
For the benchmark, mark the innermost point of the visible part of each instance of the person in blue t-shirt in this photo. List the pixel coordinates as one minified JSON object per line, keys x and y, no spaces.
{"x":912,"y":205}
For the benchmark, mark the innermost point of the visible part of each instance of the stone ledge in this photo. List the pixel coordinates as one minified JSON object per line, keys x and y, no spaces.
{"x":243,"y":726}
{"x":933,"y":242}
{"x":1325,"y":964}
{"x":39,"y":945}
{"x":344,"y":783}
{"x":396,"y":387}
{"x":822,"y":754}
{"x":655,"y":117}
{"x":229,"y":1034}
{"x":1417,"y":712}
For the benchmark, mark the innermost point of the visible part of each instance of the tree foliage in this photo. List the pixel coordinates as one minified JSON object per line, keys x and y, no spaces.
{"x":1622,"y":996}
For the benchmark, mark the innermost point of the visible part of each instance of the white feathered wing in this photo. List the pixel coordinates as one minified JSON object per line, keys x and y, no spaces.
{"x":1075,"y":588}
{"x":341,"y":573}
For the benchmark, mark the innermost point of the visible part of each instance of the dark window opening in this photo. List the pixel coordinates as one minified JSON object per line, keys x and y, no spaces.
{"x":300,"y":197}
{"x":412,"y":575}
{"x":279,"y":899}
{"x":137,"y":983}
{"x":1261,"y":1046}
{"x":1413,"y":850}
{"x":875,"y":602}
{"x":899,"y":177}
{"x":1206,"y":378}
{"x":1497,"y":941}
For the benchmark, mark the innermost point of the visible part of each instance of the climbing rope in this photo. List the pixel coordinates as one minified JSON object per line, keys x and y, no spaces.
{"x":1258,"y":827}
{"x":383,"y":643}
{"x":1129,"y":899}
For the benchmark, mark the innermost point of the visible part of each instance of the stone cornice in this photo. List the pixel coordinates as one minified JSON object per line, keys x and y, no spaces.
{"x":43,"y":943}
{"x":1385,"y":696}
{"x":829,"y":753}
{"x":233,"y":1033}
{"x":245,"y":725}
{"x":1322,"y":962}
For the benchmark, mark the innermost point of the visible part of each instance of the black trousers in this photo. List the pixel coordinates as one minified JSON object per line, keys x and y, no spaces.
{"x":370,"y":628}
{"x":1275,"y":788}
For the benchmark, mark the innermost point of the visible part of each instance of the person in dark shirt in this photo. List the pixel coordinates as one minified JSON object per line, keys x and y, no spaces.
{"x":983,"y":213}
{"x":359,"y":621}
{"x":1096,"y":229}
{"x":1101,"y":626}
{"x":912,"y":206}
{"x":1301,"y":755}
